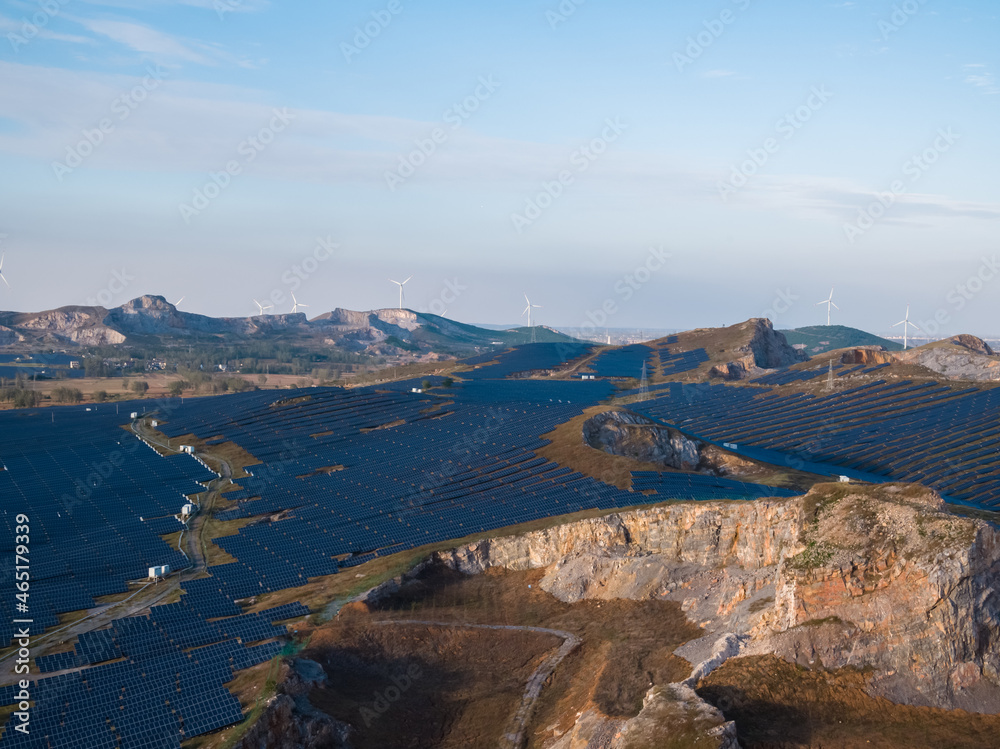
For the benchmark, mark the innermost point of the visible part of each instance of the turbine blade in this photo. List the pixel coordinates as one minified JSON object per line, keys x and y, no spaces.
{"x":407,"y":279}
{"x":915,"y":327}
{"x":899,"y":323}
{"x":4,"y":280}
{"x":834,"y":305}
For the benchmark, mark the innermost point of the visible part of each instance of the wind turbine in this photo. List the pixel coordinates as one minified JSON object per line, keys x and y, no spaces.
{"x":296,"y":304}
{"x":527,"y":311}
{"x":1,"y":271}
{"x":829,"y":303}
{"x":400,"y":285}
{"x":262,"y":307}
{"x":905,"y":322}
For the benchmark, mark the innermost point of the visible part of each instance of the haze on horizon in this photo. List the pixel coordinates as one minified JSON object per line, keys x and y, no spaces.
{"x":741,"y":157}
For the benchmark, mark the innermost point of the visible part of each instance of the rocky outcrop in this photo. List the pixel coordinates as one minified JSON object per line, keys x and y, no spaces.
{"x":880,"y":578}
{"x":970,"y":342}
{"x":768,"y":347}
{"x":743,"y":368}
{"x":634,"y":436}
{"x":867,"y":355}
{"x":289,"y":721}
{"x":79,"y":325}
{"x":627,"y":434}
{"x":674,"y":715}
{"x":671,"y":715}
{"x":762,"y":348}
{"x":957,"y":361}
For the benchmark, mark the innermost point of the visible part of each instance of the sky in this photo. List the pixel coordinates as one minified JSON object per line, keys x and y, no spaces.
{"x":627,"y":164}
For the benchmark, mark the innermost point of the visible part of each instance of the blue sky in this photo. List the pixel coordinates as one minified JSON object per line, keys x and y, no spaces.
{"x":561,"y":144}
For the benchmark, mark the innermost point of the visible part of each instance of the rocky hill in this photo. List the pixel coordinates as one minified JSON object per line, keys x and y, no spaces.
{"x":153,"y":320}
{"x":747,"y":349}
{"x":963,"y":357}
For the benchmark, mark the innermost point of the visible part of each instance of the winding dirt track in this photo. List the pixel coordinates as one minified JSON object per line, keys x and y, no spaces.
{"x":516,"y":734}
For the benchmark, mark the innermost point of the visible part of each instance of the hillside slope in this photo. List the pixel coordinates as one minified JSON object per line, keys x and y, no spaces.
{"x":817,"y":339}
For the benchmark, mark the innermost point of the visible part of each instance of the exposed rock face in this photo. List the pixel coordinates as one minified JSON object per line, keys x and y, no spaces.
{"x":625,"y":433}
{"x":977,"y":345}
{"x":879,"y":577}
{"x":867,"y":355}
{"x":81,"y":325}
{"x":739,"y":369}
{"x":956,"y":361}
{"x":765,"y":348}
{"x":290,"y":722}
{"x":8,"y":336}
{"x":769,"y":347}
{"x":674,"y":713}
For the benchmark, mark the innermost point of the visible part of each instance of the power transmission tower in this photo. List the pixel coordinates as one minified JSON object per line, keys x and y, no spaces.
{"x":644,"y":384}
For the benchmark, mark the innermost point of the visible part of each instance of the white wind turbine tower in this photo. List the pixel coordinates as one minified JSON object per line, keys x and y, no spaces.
{"x":1,"y":271}
{"x":527,"y":311}
{"x":296,"y":304}
{"x":400,"y":284}
{"x":905,"y":322}
{"x":262,"y":307}
{"x":829,"y":303}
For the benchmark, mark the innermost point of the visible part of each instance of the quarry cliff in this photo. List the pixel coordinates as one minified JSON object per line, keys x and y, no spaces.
{"x":881,"y":578}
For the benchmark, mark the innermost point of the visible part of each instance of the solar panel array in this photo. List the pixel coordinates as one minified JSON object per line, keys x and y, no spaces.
{"x":625,"y":361}
{"x":160,"y":680}
{"x":945,"y":437}
{"x":672,"y":363}
{"x":366,"y":472}
{"x":98,"y":500}
{"x":530,"y":357}
{"x":345,"y":476}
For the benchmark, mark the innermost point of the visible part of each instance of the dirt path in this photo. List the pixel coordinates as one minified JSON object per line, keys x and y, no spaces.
{"x":516,"y":734}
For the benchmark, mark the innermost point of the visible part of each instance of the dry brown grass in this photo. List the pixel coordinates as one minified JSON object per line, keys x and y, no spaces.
{"x":213,"y":528}
{"x":778,"y":704}
{"x":624,"y":645}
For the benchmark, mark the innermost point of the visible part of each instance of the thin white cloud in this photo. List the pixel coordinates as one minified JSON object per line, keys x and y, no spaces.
{"x":718,"y":73}
{"x":222,"y":7}
{"x":982,"y":79}
{"x":8,"y":25}
{"x":146,"y":40}
{"x":186,"y":126}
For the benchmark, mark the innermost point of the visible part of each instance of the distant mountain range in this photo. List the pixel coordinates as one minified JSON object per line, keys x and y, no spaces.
{"x":818,"y":339}
{"x":153,"y":320}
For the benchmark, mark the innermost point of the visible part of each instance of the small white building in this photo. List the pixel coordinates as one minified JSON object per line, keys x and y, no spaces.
{"x":845,"y":479}
{"x":187,"y":510}
{"x":135,"y":415}
{"x":157,"y":572}
{"x":189,"y":449}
